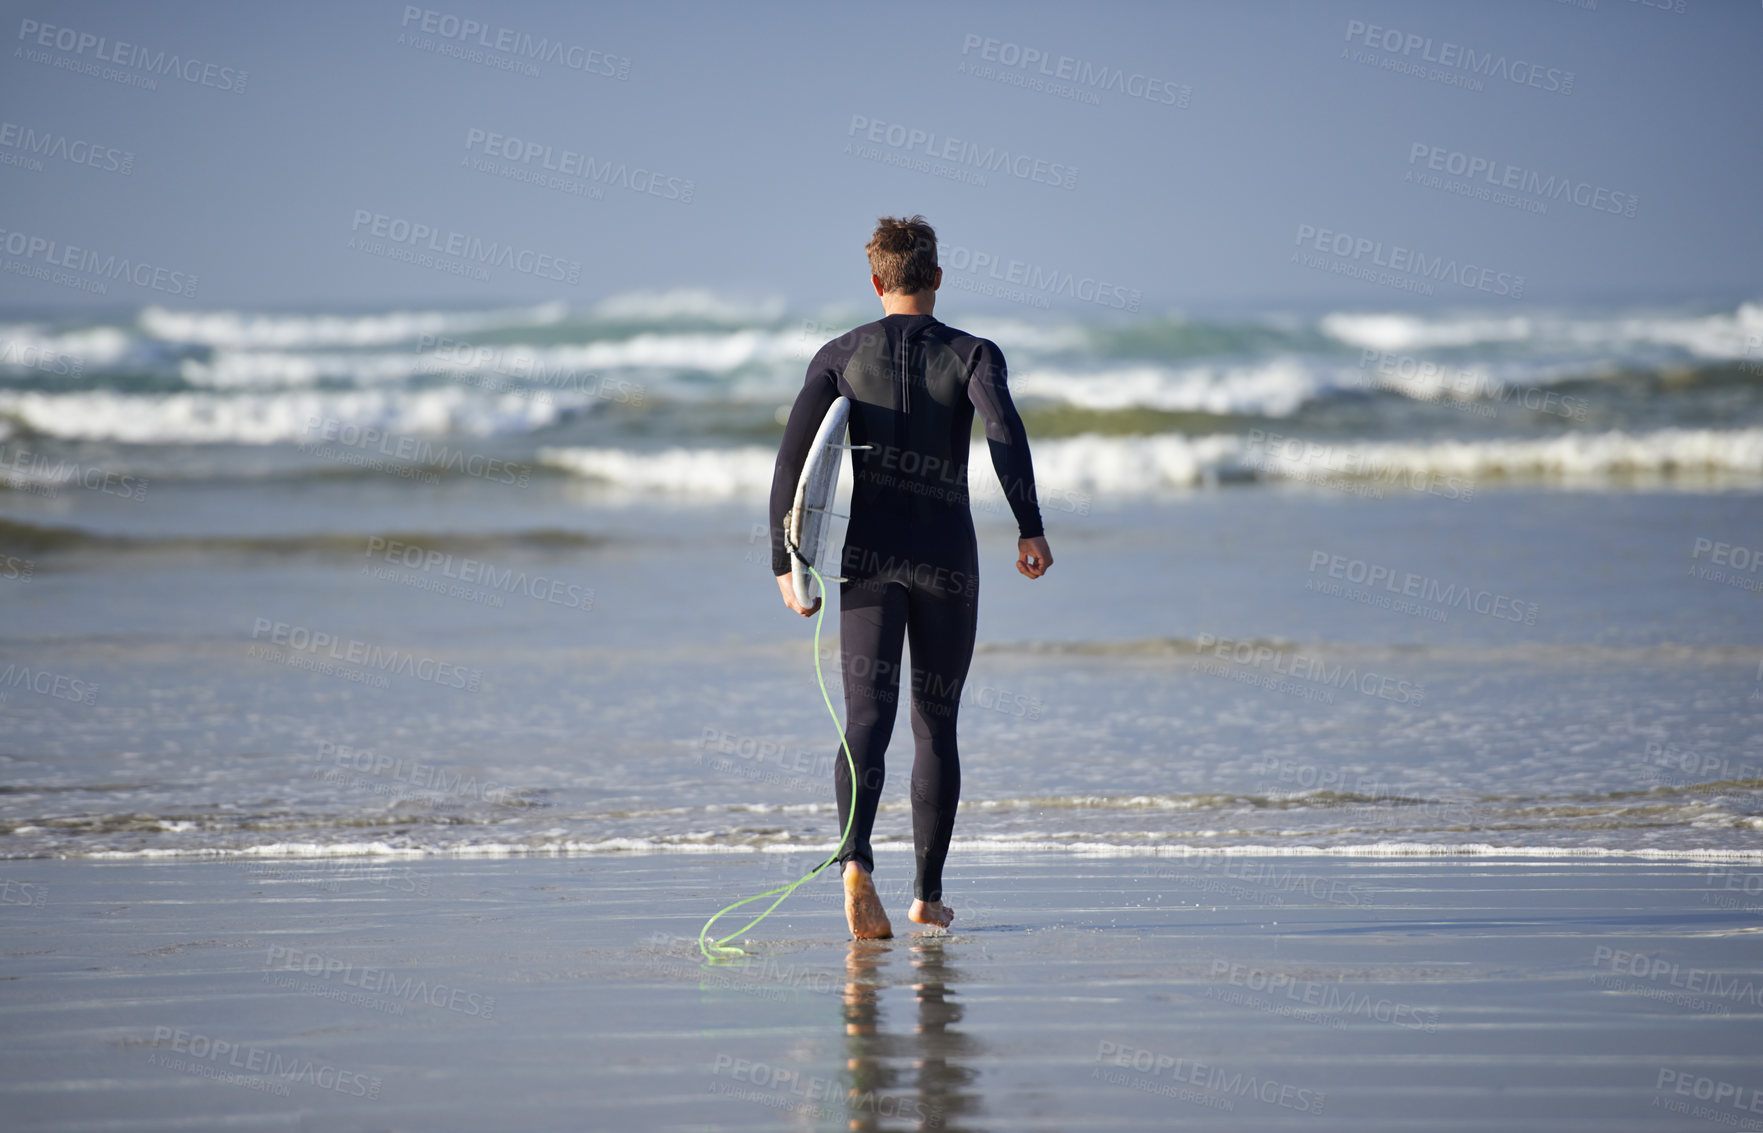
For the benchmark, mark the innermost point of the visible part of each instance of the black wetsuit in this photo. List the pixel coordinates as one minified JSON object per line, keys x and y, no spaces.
{"x":910,"y":560}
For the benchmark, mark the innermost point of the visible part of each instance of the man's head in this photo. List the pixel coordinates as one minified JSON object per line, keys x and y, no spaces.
{"x":903,"y":255}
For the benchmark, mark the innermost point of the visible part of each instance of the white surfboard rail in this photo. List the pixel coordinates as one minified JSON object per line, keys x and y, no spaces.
{"x":810,"y":518}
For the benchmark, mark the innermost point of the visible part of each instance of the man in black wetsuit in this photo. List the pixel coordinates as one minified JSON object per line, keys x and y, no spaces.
{"x":910,"y":561}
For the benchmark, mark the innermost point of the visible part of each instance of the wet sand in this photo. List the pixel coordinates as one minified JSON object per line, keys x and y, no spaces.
{"x":1073,"y":994}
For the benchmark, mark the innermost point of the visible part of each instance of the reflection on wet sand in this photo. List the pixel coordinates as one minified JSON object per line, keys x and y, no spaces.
{"x":923,"y":1079}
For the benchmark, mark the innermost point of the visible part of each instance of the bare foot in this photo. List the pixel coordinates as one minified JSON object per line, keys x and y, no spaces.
{"x":931,"y":913}
{"x":863,"y":909}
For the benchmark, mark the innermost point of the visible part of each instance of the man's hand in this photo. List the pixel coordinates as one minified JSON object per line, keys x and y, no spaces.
{"x":787,"y":587}
{"x":1032,"y":556}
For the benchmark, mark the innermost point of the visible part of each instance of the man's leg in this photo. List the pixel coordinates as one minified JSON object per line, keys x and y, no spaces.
{"x":940,"y":625}
{"x":872,"y":631}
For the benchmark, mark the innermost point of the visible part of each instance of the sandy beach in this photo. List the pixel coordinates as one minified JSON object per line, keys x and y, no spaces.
{"x":1303,"y":992}
{"x":399,"y":404}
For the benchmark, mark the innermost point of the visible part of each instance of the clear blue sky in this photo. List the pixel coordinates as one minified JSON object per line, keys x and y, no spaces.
{"x":1293,"y":117}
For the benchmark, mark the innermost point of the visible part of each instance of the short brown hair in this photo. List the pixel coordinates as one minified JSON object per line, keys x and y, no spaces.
{"x":903,"y":252}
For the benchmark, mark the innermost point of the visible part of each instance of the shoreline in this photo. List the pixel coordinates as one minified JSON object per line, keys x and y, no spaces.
{"x":632,"y":847}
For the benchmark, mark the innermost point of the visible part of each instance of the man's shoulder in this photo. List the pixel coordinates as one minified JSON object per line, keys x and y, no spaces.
{"x":965,"y":342}
{"x":975,"y":352}
{"x":840,"y":349}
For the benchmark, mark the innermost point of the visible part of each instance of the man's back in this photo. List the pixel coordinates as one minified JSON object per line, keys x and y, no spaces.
{"x":914,"y":384}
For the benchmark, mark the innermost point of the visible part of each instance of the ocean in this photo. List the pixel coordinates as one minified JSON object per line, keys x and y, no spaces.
{"x":416,"y":582}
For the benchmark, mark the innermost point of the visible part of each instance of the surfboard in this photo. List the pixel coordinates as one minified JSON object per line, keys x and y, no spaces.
{"x":811,"y":517}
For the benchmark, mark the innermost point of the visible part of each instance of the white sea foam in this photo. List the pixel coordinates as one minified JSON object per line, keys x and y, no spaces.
{"x":695,"y":472}
{"x":717,"y":353}
{"x":264,"y":369}
{"x":26,"y":346}
{"x":762,"y":365}
{"x":1714,"y":336}
{"x":1275,"y":387}
{"x":1145,"y":465}
{"x":1026,"y":843}
{"x":688,"y":303}
{"x":1041,"y":335}
{"x":1395,"y":332}
{"x":242,"y":330}
{"x":200,"y":417}
{"x":1569,"y":456}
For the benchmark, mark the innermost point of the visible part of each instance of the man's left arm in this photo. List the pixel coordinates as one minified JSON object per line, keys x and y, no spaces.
{"x":1007,"y":438}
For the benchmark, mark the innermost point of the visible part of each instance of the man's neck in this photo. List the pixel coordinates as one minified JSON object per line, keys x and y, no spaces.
{"x":917,"y":303}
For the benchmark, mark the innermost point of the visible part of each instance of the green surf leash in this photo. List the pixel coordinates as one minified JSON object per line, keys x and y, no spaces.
{"x":721,"y":950}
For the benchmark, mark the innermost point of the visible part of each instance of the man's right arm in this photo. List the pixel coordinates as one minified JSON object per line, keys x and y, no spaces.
{"x":818,"y":393}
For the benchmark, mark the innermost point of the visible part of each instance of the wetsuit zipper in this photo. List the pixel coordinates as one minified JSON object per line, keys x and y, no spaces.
{"x":905,"y":384}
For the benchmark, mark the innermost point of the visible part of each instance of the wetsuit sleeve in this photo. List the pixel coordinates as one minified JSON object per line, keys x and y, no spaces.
{"x":818,"y":393}
{"x":1006,"y":436}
